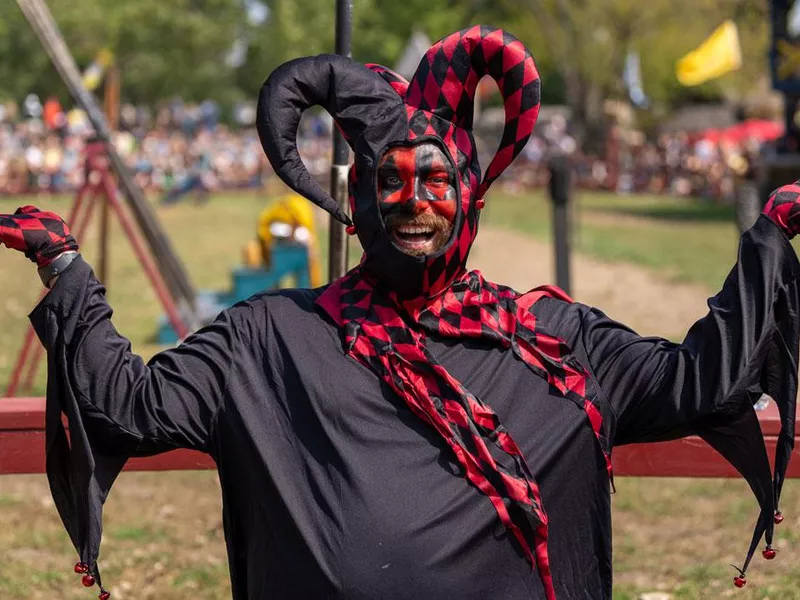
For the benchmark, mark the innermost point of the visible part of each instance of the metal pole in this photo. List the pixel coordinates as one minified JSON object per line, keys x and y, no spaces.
{"x":337,"y":255}
{"x":560,"y":192}
{"x":111,"y":101}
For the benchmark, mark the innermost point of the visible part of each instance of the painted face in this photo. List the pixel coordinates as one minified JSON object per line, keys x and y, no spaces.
{"x":417,"y":197}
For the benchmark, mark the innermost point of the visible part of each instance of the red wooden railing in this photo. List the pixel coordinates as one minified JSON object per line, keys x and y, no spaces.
{"x":22,"y":449}
{"x":22,"y":443}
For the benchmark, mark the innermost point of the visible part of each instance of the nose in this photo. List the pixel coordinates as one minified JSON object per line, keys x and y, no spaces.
{"x":419,"y":201}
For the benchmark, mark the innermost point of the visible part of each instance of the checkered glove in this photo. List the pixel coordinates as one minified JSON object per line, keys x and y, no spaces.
{"x":42,"y":236}
{"x":783,"y":207}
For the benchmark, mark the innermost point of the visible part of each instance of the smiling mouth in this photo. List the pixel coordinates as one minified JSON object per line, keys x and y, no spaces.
{"x":413,"y":237}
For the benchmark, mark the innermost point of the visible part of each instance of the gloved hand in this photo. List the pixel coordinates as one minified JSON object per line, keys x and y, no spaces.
{"x":783,"y":207}
{"x":42,"y":236}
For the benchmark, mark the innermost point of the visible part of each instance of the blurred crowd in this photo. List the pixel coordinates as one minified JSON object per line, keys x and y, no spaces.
{"x":182,"y":148}
{"x":678,"y":164}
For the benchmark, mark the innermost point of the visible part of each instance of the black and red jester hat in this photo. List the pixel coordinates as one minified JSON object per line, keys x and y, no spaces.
{"x":377,"y":109}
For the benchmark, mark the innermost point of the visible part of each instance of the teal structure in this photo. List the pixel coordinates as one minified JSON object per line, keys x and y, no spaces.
{"x":288,"y":260}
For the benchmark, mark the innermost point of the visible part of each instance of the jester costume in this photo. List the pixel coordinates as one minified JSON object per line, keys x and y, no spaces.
{"x":412,"y":430}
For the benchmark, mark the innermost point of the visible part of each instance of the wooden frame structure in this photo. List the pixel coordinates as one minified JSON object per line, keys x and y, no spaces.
{"x":22,"y":449}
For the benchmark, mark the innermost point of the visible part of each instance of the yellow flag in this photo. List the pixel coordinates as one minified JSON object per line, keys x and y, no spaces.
{"x":718,"y":55}
{"x":94,"y":72}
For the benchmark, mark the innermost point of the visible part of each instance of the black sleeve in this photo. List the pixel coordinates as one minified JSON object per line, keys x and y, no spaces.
{"x":170,"y":402}
{"x":747,"y":344}
{"x":659,"y":389}
{"x":116,"y":405}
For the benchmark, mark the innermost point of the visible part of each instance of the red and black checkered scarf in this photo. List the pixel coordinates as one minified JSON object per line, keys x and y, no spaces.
{"x":389,"y":336}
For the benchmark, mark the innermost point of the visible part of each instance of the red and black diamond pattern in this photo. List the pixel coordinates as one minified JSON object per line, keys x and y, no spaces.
{"x":447,"y":78}
{"x":783,"y":207}
{"x":377,"y":112}
{"x":41,"y":235}
{"x":439,"y":103}
{"x":398,"y":82}
{"x":387,"y":335}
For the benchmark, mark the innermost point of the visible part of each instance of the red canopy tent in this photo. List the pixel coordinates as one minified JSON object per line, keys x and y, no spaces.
{"x":762,"y":130}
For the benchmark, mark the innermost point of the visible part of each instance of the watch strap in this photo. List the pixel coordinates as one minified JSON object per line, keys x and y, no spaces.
{"x":56,"y":267}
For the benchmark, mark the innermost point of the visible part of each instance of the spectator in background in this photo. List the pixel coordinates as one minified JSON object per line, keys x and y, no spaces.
{"x":184,"y":147}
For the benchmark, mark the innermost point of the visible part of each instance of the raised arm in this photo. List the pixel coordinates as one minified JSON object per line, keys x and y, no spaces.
{"x":661,"y":389}
{"x":116,"y":405}
{"x":746,"y":344}
{"x":125,"y":405}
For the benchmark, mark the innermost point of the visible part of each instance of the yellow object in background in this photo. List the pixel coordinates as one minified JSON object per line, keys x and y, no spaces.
{"x":251,"y":255}
{"x":292,"y":210}
{"x":718,"y":55}
{"x":93,"y":74}
{"x":291,"y":217}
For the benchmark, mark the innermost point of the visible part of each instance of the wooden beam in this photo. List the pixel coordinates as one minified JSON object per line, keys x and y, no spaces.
{"x":22,"y":449}
{"x":22,"y":443}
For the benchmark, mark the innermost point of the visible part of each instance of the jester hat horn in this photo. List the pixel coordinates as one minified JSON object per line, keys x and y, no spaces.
{"x":375,"y":108}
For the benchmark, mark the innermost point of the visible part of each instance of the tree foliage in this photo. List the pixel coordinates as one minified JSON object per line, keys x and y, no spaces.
{"x":381,"y":29}
{"x":583,"y":43}
{"x":163,"y":48}
{"x":180,"y":47}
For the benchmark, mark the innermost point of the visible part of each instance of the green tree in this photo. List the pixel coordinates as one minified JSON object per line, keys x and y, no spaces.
{"x":381,"y":29}
{"x":162,"y":48}
{"x":293,"y":28}
{"x":179,"y":47}
{"x":24,"y":67}
{"x":585,"y":43}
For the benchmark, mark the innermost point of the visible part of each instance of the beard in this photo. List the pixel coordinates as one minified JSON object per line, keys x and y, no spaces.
{"x":419,"y":235}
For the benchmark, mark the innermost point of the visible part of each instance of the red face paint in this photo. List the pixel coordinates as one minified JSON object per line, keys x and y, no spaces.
{"x":417,"y":197}
{"x":417,"y":179}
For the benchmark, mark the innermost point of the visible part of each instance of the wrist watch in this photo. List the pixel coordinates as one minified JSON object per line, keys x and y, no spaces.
{"x":56,"y":267}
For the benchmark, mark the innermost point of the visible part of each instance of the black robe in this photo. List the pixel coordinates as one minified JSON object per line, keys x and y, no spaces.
{"x":332,"y":488}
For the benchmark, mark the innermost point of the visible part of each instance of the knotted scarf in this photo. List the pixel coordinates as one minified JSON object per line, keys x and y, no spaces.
{"x":389,"y":337}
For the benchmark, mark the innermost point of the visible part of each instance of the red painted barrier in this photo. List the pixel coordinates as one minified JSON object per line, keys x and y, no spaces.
{"x":22,"y":443}
{"x":22,"y":449}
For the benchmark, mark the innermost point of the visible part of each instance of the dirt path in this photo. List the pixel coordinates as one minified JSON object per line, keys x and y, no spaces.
{"x":631,"y":294}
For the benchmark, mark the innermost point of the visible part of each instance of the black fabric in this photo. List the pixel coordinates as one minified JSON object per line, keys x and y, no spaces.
{"x":332,"y":488}
{"x":392,"y":342}
{"x":742,"y":349}
{"x":355,"y":97}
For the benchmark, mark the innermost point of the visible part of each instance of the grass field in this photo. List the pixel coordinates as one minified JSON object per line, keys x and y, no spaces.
{"x":163,"y":531}
{"x":684,"y":240}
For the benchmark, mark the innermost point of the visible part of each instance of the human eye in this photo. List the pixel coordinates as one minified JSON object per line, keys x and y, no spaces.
{"x":390,"y":180}
{"x":438,"y":179}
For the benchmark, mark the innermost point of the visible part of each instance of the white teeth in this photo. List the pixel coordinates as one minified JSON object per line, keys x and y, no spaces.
{"x":414,"y":230}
